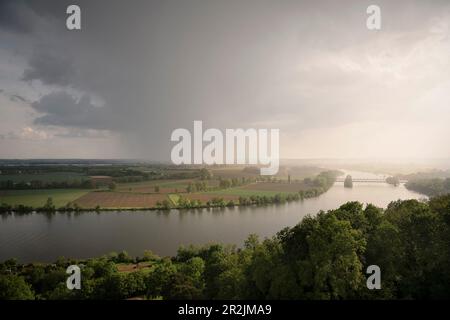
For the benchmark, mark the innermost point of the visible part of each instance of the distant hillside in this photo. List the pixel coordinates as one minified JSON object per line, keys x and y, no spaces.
{"x":433,"y":174}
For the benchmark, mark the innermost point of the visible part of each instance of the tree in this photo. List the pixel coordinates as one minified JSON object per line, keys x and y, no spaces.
{"x":111,"y":287}
{"x":88,"y":184}
{"x":324,"y":252}
{"x":49,"y":206}
{"x":205,"y":174}
{"x":193,"y":269}
{"x":157,"y":189}
{"x":14,"y":287}
{"x":134,"y":284}
{"x":123,"y":257}
{"x":225,"y":183}
{"x":159,"y":279}
{"x":165,"y":204}
{"x":112,"y":186}
{"x":423,"y":250}
{"x":393,"y":180}
{"x":348,"y":182}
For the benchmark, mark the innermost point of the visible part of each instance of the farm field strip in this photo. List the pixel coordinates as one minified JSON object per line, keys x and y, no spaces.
{"x":205,"y":197}
{"x":279,"y":187}
{"x":111,"y":199}
{"x":165,"y":186}
{"x":37,"y":198}
{"x":247,"y":191}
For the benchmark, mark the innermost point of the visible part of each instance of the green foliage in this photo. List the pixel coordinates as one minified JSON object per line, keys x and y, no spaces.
{"x":393,"y":180}
{"x":205,"y":174}
{"x":430,"y":187}
{"x":348,"y":182}
{"x":164,"y":205}
{"x":13,"y":287}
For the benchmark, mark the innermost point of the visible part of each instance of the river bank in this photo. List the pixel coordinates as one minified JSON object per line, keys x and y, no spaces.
{"x":45,"y":237}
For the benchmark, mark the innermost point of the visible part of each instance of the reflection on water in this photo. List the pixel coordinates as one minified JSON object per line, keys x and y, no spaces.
{"x":44,"y":237}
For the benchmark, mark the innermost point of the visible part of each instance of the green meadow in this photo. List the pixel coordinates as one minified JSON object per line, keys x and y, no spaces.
{"x":247,"y":192}
{"x":37,"y":198}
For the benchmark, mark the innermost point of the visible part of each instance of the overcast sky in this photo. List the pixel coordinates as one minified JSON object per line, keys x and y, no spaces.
{"x":140,"y":69}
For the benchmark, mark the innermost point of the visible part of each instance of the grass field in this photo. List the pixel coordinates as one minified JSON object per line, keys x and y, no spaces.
{"x":205,"y":197}
{"x":243,"y":192}
{"x":279,"y":187}
{"x":37,"y":198}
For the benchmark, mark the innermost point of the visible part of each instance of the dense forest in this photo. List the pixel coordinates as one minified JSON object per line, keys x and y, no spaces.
{"x":325,"y":256}
{"x":431,"y":187}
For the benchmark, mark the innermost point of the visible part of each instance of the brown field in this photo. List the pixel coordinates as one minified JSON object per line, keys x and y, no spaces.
{"x":276,"y":186}
{"x":132,"y":267}
{"x":233,"y":172}
{"x":151,"y":190}
{"x":119,"y":200}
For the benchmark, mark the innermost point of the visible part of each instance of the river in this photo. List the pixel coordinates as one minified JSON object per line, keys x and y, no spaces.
{"x":45,"y":237}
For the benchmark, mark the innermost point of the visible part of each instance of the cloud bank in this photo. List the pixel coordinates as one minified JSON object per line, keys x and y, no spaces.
{"x":139,"y":70}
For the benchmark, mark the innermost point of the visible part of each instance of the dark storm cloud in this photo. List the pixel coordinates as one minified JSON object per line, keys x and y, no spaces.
{"x":49,"y":69}
{"x":62,"y":109}
{"x":155,"y":66}
{"x":14,"y":97}
{"x":17,"y":97}
{"x":159,"y":65}
{"x":16,"y":16}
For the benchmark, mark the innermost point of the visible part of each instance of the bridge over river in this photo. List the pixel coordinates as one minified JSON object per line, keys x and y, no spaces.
{"x":371,"y":180}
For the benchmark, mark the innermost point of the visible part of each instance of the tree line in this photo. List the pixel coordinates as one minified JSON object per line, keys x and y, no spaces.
{"x":430,"y":187}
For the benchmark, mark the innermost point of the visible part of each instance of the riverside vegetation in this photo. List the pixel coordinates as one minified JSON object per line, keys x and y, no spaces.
{"x":323,"y":257}
{"x":430,"y":187}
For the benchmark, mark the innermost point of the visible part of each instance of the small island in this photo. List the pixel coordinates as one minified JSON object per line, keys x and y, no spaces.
{"x":348,"y":182}
{"x":395,"y":181}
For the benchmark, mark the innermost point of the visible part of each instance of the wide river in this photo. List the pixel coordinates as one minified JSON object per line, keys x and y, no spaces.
{"x":45,"y":237}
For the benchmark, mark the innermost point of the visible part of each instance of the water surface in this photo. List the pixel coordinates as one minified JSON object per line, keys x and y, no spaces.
{"x":45,"y":237}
